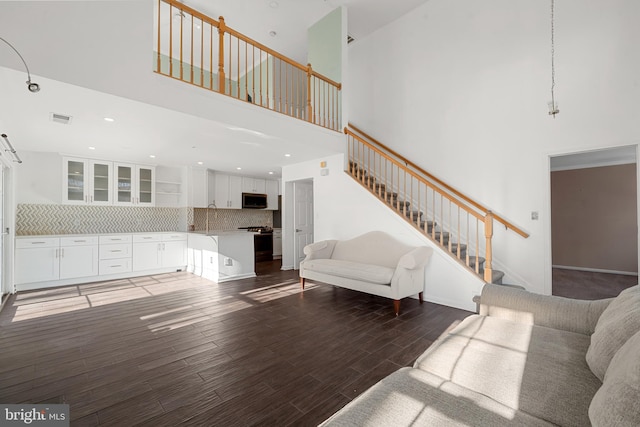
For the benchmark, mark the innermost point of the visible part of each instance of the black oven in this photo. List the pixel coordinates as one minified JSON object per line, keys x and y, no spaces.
{"x":262,"y":242}
{"x":263,"y":246}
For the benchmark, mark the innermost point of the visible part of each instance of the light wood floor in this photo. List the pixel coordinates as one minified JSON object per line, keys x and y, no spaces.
{"x":174,"y":348}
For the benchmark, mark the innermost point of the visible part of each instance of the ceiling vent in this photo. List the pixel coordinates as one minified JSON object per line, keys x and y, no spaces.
{"x":60,"y":118}
{"x":349,"y":38}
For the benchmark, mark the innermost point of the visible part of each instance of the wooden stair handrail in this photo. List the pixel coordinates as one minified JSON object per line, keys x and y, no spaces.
{"x":250,"y":41}
{"x":446,"y":186}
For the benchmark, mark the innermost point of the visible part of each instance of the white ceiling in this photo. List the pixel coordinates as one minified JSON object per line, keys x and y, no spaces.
{"x":174,"y":138}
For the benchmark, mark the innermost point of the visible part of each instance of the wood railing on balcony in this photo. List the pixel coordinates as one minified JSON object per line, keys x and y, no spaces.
{"x":456,"y":222}
{"x":205,"y":52}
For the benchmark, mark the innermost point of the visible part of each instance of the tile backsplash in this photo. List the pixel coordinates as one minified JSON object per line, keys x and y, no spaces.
{"x":230,"y":219}
{"x":41,"y":219}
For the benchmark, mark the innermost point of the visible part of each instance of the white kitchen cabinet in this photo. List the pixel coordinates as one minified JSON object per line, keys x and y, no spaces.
{"x":37,"y":260}
{"x":199,"y":188}
{"x":134,"y":184}
{"x":277,"y":243}
{"x":253,"y":185}
{"x":115,"y":254}
{"x":87,"y":181}
{"x":42,"y":259}
{"x":228,"y":191}
{"x":155,"y":251}
{"x":78,"y":257}
{"x":272,"y":195}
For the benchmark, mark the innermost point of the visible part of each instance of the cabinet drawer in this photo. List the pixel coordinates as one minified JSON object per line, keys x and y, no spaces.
{"x":79,"y":241}
{"x":122,"y":250}
{"x":113,"y":266}
{"x":168,"y":237}
{"x":38,"y":242}
{"x":146,"y":238}
{"x":124,"y":238}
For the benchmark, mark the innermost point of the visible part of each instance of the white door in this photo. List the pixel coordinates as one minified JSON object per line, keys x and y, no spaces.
{"x":303,"y":219}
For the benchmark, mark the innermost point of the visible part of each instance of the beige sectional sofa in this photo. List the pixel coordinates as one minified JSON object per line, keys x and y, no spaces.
{"x":375,"y":263}
{"x":526,"y":359}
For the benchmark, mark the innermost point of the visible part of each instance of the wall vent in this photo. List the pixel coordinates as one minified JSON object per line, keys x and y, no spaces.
{"x":60,"y":118}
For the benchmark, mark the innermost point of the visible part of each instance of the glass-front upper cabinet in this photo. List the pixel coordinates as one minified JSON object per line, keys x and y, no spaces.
{"x":101,"y":182}
{"x":146,"y":185}
{"x":134,"y":184}
{"x":86,"y":181}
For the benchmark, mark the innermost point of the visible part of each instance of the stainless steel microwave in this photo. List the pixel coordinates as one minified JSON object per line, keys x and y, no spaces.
{"x":254,"y":201}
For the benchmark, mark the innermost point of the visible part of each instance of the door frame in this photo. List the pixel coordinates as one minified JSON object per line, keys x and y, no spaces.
{"x":289,"y":241}
{"x":8,"y":222}
{"x":548,"y":256}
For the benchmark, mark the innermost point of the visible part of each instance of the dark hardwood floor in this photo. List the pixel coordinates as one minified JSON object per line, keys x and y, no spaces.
{"x":589,"y":285}
{"x":177,"y":349}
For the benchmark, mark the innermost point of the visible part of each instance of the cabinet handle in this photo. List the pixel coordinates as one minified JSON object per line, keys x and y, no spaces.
{"x":116,"y":250}
{"x":163,"y":246}
{"x":147,"y":238}
{"x":62,"y":253}
{"x":57,"y":252}
{"x":116,"y":265}
{"x":79,"y":241}
{"x":38,"y":243}
{"x":92,"y":199}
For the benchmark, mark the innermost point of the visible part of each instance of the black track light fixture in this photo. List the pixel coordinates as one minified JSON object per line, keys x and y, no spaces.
{"x":33,"y":87}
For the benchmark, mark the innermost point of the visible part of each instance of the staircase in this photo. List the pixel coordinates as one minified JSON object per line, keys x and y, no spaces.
{"x":460,"y":226}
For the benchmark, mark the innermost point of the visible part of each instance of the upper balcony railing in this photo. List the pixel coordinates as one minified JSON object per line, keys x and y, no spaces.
{"x":205,"y":52}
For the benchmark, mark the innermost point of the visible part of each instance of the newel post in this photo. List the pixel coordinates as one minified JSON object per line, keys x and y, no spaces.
{"x":309,"y":107}
{"x":488,"y":234}
{"x":221,"y":76}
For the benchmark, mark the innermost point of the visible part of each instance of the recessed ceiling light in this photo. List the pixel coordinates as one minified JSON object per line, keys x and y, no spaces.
{"x":270,"y":173}
{"x":239,"y":169}
{"x":274,"y":4}
{"x":201,"y":163}
{"x":287,"y":155}
{"x":273,"y":33}
{"x":153,"y":156}
{"x":92,"y":148}
{"x":109,"y":119}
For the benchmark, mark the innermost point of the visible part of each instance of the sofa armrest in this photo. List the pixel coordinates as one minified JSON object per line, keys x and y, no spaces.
{"x":555,"y":312}
{"x":320,"y":250}
{"x":416,"y":258}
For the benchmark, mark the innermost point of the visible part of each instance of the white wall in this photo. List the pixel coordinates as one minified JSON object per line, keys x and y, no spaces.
{"x":343,"y":209}
{"x":462,"y":88}
{"x":39,"y":178}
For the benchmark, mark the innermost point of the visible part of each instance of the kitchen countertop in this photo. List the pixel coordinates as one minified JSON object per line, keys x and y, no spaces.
{"x":222,"y":232}
{"x":35,"y":236}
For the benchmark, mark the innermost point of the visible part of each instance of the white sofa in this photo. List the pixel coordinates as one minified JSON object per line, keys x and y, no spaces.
{"x":375,"y":263}
{"x":525,"y":360}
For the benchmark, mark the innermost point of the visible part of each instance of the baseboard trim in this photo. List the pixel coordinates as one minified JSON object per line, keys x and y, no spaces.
{"x":595,"y":270}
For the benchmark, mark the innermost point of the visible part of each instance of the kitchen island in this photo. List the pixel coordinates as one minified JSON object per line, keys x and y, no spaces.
{"x":221,"y":255}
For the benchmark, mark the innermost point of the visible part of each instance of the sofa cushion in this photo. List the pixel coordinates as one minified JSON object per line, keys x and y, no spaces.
{"x":534,"y":369}
{"x":411,"y":397}
{"x":617,"y":401}
{"x":618,"y":322}
{"x":351,"y":270}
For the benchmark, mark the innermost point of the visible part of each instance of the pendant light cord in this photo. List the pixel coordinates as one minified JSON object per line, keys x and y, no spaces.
{"x":553,"y":53}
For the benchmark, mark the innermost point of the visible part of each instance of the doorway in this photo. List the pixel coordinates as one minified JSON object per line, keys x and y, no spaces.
{"x":302,"y":219}
{"x":594,"y":222}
